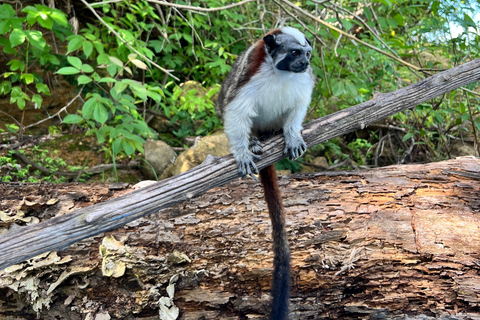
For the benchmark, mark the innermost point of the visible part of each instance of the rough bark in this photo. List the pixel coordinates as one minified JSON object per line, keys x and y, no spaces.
{"x":61,"y":232}
{"x":373,"y":244}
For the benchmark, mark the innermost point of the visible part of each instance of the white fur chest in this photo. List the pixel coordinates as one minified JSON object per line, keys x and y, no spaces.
{"x":276,"y":94}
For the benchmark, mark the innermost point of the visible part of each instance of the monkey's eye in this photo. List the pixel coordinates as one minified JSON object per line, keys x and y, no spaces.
{"x":296,"y":53}
{"x":308,"y":54}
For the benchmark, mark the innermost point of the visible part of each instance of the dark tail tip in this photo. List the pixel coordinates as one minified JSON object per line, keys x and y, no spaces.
{"x":280,"y":290}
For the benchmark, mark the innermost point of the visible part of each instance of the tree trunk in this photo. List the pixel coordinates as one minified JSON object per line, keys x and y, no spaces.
{"x":373,"y":244}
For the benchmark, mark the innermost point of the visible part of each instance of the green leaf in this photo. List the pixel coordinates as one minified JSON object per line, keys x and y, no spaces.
{"x":7,"y":11}
{"x":5,"y":87}
{"x":7,"y":24}
{"x":338,"y":88}
{"x":27,"y":78}
{"x":102,"y":133}
{"x":99,"y":47}
{"x":74,"y":61}
{"x":469,"y":21}
{"x":100,"y":114}
{"x":382,"y":22}
{"x":16,"y":65}
{"x":392,"y":22}
{"x":87,"y":48}
{"x":89,"y":107}
{"x":17,"y":37}
{"x":68,"y":70}
{"x":116,"y":145}
{"x":42,"y":88}
{"x":112,"y":69}
{"x":350,"y":88}
{"x":121,"y":86}
{"x":107,"y":79}
{"x":83,"y":79}
{"x":154,"y":95}
{"x":75,"y":43}
{"x":465,"y":117}
{"x":38,"y":100}
{"x":407,"y":136}
{"x":87,"y":68}
{"x":399,"y":19}
{"x":128,"y":147}
{"x":116,"y":61}
{"x":19,"y":97}
{"x":12,"y":127}
{"x":7,"y":46}
{"x":102,"y":58}
{"x":139,"y":89}
{"x":187,"y":37}
{"x":45,"y":21}
{"x":73,"y":118}
{"x":139,"y":64}
{"x":59,"y":17}
{"x":35,"y":38}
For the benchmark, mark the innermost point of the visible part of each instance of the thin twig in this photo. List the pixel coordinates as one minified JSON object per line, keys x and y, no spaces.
{"x":301,"y":23}
{"x":325,"y":72}
{"x":472,"y":119}
{"x":328,"y":25}
{"x":53,"y":115}
{"x":14,"y":120}
{"x":125,"y":42}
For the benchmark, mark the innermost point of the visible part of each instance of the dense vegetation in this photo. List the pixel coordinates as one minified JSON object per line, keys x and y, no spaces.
{"x":127,"y":60}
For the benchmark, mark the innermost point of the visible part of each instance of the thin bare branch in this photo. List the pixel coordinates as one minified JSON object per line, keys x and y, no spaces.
{"x":89,"y":6}
{"x":328,"y":25}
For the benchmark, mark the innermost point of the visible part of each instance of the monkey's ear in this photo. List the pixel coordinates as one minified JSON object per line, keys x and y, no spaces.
{"x":308,"y":40}
{"x":270,"y":40}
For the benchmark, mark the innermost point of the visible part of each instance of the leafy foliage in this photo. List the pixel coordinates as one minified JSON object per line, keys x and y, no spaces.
{"x":27,"y":44}
{"x":120,"y":87}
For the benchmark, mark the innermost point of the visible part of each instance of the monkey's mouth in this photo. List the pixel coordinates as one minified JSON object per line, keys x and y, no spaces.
{"x":299,"y":69}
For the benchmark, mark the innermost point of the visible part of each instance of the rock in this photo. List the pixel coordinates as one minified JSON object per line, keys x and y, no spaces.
{"x":161,"y":124}
{"x":460,"y":149}
{"x":216,"y":145}
{"x":321,"y":162}
{"x":158,"y":156}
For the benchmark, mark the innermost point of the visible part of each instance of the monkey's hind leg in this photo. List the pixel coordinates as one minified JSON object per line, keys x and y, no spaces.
{"x":254,"y":146}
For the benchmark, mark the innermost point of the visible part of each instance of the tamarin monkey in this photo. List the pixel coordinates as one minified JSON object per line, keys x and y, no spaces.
{"x":268,"y":91}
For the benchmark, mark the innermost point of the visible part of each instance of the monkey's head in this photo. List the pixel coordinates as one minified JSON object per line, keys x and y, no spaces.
{"x":289,"y":49}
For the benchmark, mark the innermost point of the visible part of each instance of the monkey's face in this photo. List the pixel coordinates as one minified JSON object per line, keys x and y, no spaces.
{"x":289,"y":53}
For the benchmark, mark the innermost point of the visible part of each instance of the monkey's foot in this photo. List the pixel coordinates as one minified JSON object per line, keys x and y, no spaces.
{"x":254,"y":146}
{"x":295,"y":151}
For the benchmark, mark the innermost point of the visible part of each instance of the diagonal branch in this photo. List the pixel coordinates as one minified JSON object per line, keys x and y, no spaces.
{"x":61,"y":232}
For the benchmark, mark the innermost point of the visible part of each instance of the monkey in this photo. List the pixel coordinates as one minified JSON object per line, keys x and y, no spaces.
{"x":268,"y":91}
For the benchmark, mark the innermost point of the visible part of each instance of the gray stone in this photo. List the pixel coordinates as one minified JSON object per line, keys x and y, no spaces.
{"x":157,"y":156}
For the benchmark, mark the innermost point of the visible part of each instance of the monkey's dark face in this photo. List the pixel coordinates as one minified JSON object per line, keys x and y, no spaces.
{"x":288,"y":54}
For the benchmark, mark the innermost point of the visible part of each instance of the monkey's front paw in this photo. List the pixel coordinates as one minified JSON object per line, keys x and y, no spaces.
{"x":295,"y":151}
{"x":254,"y":146}
{"x":246,"y":167}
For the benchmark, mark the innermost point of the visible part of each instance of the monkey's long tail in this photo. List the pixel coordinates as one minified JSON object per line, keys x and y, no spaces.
{"x":281,"y":250}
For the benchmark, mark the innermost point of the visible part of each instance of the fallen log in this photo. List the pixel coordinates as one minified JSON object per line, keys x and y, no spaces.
{"x":374,"y":244}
